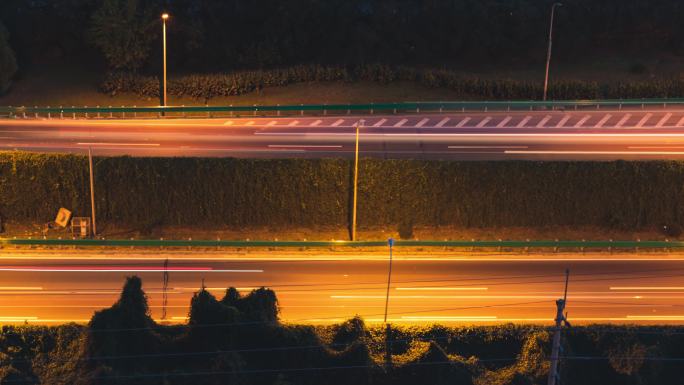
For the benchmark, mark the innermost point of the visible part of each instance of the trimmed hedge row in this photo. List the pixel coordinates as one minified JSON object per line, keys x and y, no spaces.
{"x":295,"y":192}
{"x":206,"y":86}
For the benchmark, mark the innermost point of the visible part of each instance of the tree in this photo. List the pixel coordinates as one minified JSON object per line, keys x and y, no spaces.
{"x":8,"y":63}
{"x":124,"y":31}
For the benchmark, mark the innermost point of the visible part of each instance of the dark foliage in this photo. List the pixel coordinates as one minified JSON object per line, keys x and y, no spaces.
{"x":239,"y":192}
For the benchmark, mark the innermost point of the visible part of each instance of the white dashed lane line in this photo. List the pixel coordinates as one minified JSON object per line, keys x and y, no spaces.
{"x":442,"y":122}
{"x":293,"y":123}
{"x":337,"y":122}
{"x":524,"y":122}
{"x":664,"y":119}
{"x":680,"y":123}
{"x":623,"y":120}
{"x":380,"y":123}
{"x":563,"y":121}
{"x":504,"y":122}
{"x":422,"y":122}
{"x":582,"y":121}
{"x":543,"y":122}
{"x":644,"y":120}
{"x":316,"y":123}
{"x":483,"y":122}
{"x":401,"y":123}
{"x":272,"y":123}
{"x":603,"y":120}
{"x":463,"y":122}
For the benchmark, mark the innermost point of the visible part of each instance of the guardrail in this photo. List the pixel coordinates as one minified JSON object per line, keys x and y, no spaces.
{"x":352,"y":244}
{"x":371,"y":108}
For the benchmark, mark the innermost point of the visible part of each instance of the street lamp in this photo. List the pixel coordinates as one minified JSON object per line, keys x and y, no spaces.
{"x":164,"y":16}
{"x":356,"y":177}
{"x":548,"y":53}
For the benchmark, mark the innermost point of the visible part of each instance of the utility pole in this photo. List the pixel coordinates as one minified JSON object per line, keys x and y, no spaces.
{"x":92,"y":190}
{"x":548,"y":52}
{"x":356,"y":178}
{"x":388,"y":330}
{"x":165,"y":286}
{"x":561,"y":319}
{"x":164,"y":16}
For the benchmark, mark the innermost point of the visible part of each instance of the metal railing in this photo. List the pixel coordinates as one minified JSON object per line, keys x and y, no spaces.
{"x":324,"y":109}
{"x":548,"y":244}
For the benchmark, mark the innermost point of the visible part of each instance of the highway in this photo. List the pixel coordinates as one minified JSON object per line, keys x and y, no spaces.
{"x":52,"y":287}
{"x":656,"y":133}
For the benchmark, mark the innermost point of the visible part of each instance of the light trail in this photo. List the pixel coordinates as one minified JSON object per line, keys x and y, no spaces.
{"x":125,"y":269}
{"x":443,"y":288}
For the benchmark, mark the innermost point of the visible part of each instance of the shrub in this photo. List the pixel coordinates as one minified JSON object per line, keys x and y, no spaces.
{"x":8,"y":63}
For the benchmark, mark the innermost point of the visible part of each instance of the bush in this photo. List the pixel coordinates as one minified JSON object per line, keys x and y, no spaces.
{"x":406,"y":230}
{"x":207,"y":86}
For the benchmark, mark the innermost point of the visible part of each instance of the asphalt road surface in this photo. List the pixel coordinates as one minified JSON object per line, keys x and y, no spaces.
{"x":446,"y":290}
{"x":553,"y":135}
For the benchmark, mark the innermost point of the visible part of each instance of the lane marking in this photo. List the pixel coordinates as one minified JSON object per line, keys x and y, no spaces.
{"x":316,"y":123}
{"x":524,"y":121}
{"x":664,"y":119}
{"x":623,"y":120}
{"x":680,"y":123}
{"x":442,"y":288}
{"x":504,"y":122}
{"x":449,"y":318}
{"x":653,"y":147}
{"x":463,"y":122}
{"x":594,"y":152}
{"x":603,"y":121}
{"x":483,"y":122}
{"x":422,"y":122}
{"x":337,"y":122}
{"x":126,"y":270}
{"x":293,"y":123}
{"x":643,"y":120}
{"x":462,"y":147}
{"x":117,"y":144}
{"x":228,"y":123}
{"x":442,"y":122}
{"x":380,"y":123}
{"x":647,"y":288}
{"x":272,"y":123}
{"x":250,"y":123}
{"x":543,"y":121}
{"x":400,"y":123}
{"x":304,"y":146}
{"x":563,"y":121}
{"x":21,"y":288}
{"x":582,"y":121}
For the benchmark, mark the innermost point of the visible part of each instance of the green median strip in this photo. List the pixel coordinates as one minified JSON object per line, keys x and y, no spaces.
{"x":315,"y":244}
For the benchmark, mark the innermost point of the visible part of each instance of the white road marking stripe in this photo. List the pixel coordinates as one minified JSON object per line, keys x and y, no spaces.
{"x":680,"y":123}
{"x":596,"y":152}
{"x":401,"y":123}
{"x":380,"y":123}
{"x":504,"y":122}
{"x":603,"y":120}
{"x":475,"y":135}
{"x":293,"y":123}
{"x":118,"y":144}
{"x":422,"y":122}
{"x":250,"y":123}
{"x":623,"y":120}
{"x":463,"y":122}
{"x":272,"y":123}
{"x":462,"y":147}
{"x":337,"y":122}
{"x":304,"y":145}
{"x":643,"y":120}
{"x":563,"y":121}
{"x":582,"y":121}
{"x":524,"y":122}
{"x":316,"y":123}
{"x":664,"y":119}
{"x":483,"y":122}
{"x":442,"y":122}
{"x":543,"y":121}
{"x":228,"y":123}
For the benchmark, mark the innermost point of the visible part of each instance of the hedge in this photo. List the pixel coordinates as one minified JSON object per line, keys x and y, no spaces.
{"x":297,"y":192}
{"x":207,"y":86}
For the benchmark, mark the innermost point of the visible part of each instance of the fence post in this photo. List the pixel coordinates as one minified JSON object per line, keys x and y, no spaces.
{"x":73,"y":113}
{"x":371,"y":108}
{"x":255,"y":110}
{"x":278,"y":106}
{"x":86,"y":113}
{"x":135,"y":111}
{"x":123,"y":112}
{"x":208,"y":112}
{"x":301,"y":112}
{"x":49,"y":113}
{"x":35,"y":112}
{"x":111,"y":114}
{"x":98,"y":111}
{"x":61,"y":112}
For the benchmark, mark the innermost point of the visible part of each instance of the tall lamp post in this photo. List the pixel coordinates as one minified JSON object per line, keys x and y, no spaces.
{"x":164,"y":16}
{"x":548,"y":52}
{"x":356,"y":177}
